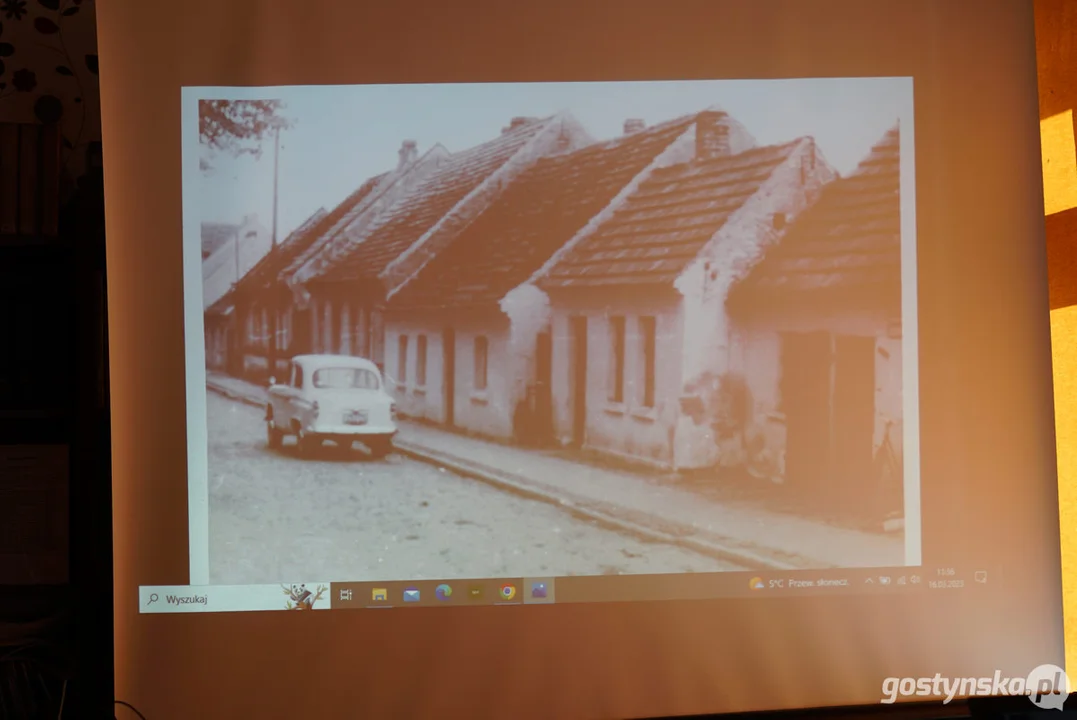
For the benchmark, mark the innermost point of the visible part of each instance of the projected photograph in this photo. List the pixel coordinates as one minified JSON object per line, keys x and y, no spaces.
{"x":512,"y":330}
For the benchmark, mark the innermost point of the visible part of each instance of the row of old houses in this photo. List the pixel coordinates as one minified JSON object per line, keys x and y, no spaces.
{"x":678,"y":295}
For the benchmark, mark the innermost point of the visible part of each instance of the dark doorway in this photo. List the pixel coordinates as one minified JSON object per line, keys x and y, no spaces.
{"x":805,"y":394}
{"x":544,"y":387}
{"x":853,"y":437}
{"x":448,"y":349}
{"x":578,"y":370}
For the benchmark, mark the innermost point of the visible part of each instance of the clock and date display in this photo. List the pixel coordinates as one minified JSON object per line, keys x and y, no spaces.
{"x":946,"y":579}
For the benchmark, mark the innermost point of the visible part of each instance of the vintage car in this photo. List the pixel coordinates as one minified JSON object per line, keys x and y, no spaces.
{"x":331,"y":397}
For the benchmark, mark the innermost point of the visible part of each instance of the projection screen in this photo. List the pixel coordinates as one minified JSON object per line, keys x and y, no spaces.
{"x":716,"y":329}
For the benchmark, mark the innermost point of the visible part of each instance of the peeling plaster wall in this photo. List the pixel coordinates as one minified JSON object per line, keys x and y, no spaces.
{"x":727,"y":258}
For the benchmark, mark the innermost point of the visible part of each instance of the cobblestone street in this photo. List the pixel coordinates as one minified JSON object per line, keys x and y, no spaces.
{"x":342,"y":516}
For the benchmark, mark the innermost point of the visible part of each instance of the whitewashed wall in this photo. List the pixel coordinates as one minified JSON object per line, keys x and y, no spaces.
{"x":424,"y":401}
{"x":483,"y":412}
{"x":627,"y":429}
{"x":758,"y":358}
{"x":728,"y":257}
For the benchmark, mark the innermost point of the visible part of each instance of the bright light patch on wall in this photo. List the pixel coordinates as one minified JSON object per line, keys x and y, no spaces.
{"x":1059,"y":163}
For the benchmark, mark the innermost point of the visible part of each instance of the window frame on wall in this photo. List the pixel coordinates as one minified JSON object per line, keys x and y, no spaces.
{"x":617,"y":341}
{"x":402,"y":359}
{"x":420,"y":360}
{"x":481,"y":357}
{"x":345,"y":329}
{"x":648,"y":337}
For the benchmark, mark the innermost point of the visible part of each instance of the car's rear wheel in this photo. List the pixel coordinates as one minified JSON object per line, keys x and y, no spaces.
{"x":274,"y":435}
{"x":306,"y":444}
{"x":379,"y":447}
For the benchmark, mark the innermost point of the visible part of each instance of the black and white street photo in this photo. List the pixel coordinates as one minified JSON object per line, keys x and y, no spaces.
{"x":549,"y":329}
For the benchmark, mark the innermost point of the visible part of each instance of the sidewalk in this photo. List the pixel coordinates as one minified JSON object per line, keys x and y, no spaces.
{"x":633,"y":503}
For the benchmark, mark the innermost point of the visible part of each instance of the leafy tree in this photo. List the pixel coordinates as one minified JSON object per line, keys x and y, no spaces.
{"x":238,"y":127}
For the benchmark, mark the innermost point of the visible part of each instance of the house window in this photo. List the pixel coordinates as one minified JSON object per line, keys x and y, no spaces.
{"x":345,"y":330}
{"x":362,"y":341}
{"x":648,"y":341}
{"x":481,"y":356}
{"x":287,"y":343}
{"x":327,"y":327}
{"x":377,"y":338}
{"x":263,"y":337}
{"x":617,"y":360}
{"x":402,"y":360}
{"x":420,"y":360}
{"x":279,"y":331}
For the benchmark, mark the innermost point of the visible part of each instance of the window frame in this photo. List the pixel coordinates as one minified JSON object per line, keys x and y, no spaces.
{"x":421,"y":350}
{"x":617,"y":336}
{"x":402,"y":359}
{"x":480,"y":379}
{"x":648,"y":337}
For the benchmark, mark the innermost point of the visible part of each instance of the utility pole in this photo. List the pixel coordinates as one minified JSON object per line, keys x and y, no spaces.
{"x":276,"y":177}
{"x":275,"y":305}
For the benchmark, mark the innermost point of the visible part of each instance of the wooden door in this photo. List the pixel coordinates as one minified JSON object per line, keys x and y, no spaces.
{"x":805,"y":398}
{"x":853,"y":435}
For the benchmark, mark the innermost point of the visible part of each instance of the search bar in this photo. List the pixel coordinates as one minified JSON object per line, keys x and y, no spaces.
{"x":156,"y":599}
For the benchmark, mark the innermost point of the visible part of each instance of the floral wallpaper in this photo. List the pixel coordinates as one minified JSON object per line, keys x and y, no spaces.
{"x":48,"y":73}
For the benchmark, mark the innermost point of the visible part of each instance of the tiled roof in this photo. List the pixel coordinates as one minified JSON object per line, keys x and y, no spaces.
{"x":666,"y":222}
{"x":537,"y":214}
{"x":461,"y":173}
{"x":321,"y":225}
{"x":849,"y":240}
{"x":336,"y":224}
{"x":214,"y":235}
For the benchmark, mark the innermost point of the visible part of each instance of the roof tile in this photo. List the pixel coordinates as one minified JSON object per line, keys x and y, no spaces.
{"x":849,"y":240}
{"x":667,"y":221}
{"x":535,"y":216}
{"x":321,"y":225}
{"x":435,"y":197}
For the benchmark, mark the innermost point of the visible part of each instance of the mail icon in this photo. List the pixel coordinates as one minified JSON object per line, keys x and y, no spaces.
{"x":411,"y":595}
{"x":379,"y":595}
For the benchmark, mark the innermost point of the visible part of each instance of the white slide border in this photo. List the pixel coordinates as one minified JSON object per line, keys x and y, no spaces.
{"x":910,"y":334}
{"x":194,"y":332}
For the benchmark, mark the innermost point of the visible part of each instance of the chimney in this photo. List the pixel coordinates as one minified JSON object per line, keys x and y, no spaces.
{"x":516,"y":122}
{"x":712,"y":135}
{"x":634,"y":125}
{"x":409,"y":152}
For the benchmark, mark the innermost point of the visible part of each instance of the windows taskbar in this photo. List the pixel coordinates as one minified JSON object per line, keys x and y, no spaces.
{"x":328,"y":595}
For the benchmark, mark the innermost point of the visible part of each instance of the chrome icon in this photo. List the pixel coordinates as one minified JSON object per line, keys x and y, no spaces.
{"x":508,"y":592}
{"x":756,"y":583}
{"x":443,"y":592}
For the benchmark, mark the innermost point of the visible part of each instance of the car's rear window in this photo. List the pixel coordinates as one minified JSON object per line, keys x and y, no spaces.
{"x":345,"y":379}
